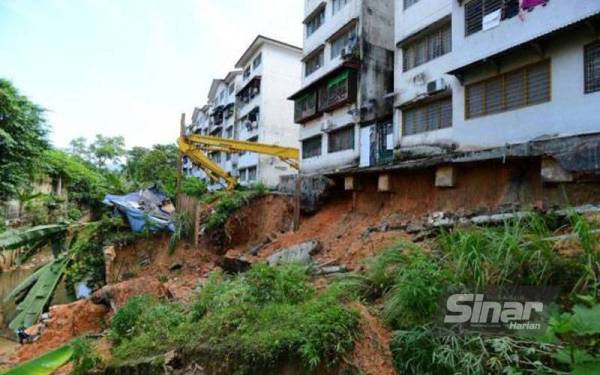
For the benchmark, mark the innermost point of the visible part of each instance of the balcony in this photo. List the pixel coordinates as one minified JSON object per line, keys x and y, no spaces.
{"x":306,"y":108}
{"x":338,"y":91}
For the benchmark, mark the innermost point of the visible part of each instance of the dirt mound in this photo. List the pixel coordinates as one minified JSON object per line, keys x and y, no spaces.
{"x":117,"y":295}
{"x":67,"y":322}
{"x":345,"y":235}
{"x":151,"y":257}
{"x":372,"y":353}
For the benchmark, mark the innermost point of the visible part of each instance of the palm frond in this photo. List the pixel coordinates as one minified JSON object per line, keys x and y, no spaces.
{"x":26,"y":284}
{"x":30,"y":309}
{"x":12,"y":240}
{"x":44,"y":365}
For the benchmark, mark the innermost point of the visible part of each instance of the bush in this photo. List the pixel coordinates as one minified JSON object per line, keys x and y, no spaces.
{"x":194,"y":187}
{"x":85,"y":357}
{"x":146,"y":327}
{"x":258,"y":319}
{"x":230,"y":202}
{"x":247,"y":323}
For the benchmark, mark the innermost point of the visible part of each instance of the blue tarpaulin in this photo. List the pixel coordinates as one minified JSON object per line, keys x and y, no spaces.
{"x":143,"y":209}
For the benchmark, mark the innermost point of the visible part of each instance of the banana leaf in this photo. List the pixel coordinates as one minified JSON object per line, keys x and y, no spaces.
{"x":12,"y":240}
{"x":27,"y":283}
{"x":30,"y":309}
{"x":44,"y":365}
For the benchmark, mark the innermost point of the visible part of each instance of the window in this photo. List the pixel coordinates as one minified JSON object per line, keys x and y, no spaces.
{"x":315,"y":22}
{"x":409,"y":3}
{"x":247,"y":73}
{"x":252,"y":174}
{"x":476,"y":10}
{"x":311,"y":147}
{"x":305,"y":107}
{"x":427,"y":48}
{"x":342,"y":139}
{"x":592,"y":67}
{"x":339,"y":90}
{"x":227,"y":157}
{"x":314,"y":63}
{"x":231,"y":88}
{"x":337,"y":5}
{"x":257,"y":61}
{"x":229,"y":132}
{"x":222,"y":96}
{"x":346,"y":40}
{"x":519,"y":88}
{"x":427,"y":117}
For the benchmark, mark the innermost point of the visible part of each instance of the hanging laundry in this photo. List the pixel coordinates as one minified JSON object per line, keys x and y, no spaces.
{"x":530,"y":4}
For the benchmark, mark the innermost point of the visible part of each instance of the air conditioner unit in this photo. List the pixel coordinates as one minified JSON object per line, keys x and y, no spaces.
{"x":436,"y":86}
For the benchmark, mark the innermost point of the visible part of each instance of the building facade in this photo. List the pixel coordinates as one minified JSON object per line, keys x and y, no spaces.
{"x":344,"y":107}
{"x":479,"y":74}
{"x":250,"y":104}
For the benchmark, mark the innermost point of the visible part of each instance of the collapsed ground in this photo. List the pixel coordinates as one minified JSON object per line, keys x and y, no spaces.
{"x":346,"y":240}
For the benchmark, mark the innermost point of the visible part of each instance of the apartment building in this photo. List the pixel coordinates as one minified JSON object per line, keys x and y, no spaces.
{"x":494,"y":107}
{"x":250,"y":104}
{"x":345,"y":107}
{"x":479,"y":74}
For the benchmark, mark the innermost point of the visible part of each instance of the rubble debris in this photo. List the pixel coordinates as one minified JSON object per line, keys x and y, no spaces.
{"x":235,"y":264}
{"x":300,"y":253}
{"x":176,"y":266}
{"x":117,"y":295}
{"x":329,"y":270}
{"x":148,"y":209}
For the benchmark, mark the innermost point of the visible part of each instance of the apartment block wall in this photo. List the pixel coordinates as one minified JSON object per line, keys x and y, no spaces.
{"x":570,"y":111}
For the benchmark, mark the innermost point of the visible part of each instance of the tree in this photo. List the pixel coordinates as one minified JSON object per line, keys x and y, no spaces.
{"x":156,"y":165}
{"x":107,"y":149}
{"x":23,"y":139}
{"x":79,"y":147}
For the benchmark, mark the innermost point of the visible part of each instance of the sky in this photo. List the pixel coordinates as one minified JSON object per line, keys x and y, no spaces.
{"x":130,"y":67}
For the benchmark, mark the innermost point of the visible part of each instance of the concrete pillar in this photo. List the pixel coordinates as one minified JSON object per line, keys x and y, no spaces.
{"x":445,"y":176}
{"x":384,"y":183}
{"x":553,"y":172}
{"x":349,"y":183}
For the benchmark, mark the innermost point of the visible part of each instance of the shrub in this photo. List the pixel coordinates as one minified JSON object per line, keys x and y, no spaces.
{"x":85,"y":358}
{"x":257,"y":319}
{"x":194,"y":187}
{"x":146,"y":327}
{"x":230,"y":202}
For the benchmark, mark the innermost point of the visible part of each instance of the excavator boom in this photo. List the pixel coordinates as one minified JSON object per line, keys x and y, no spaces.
{"x":194,"y":147}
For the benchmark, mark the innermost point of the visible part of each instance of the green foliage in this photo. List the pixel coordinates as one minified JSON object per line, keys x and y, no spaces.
{"x":229,"y":202}
{"x":233,"y":315}
{"x":516,"y":253}
{"x":86,"y":185}
{"x":23,"y":139}
{"x":184,"y":229}
{"x":426,"y":350}
{"x":249,"y":322}
{"x":44,"y":365}
{"x":589,"y":243}
{"x":193,"y":187}
{"x":107,"y":149}
{"x":37,"y":236}
{"x":85,"y":358}
{"x":146,"y":327}
{"x":32,"y":306}
{"x":156,"y":165}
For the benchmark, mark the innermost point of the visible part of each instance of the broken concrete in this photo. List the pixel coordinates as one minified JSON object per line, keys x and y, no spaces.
{"x":300,"y":253}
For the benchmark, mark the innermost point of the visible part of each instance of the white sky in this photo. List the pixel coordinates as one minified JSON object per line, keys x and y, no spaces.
{"x":130,"y":67}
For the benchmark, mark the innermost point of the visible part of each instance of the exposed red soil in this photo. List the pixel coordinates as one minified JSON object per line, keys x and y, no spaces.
{"x":67,"y":322}
{"x":372,"y":353}
{"x":341,"y":231}
{"x":150,"y":257}
{"x":117,"y":295}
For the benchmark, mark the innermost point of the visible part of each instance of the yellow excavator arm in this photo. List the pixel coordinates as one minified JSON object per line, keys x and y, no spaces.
{"x":194,"y":147}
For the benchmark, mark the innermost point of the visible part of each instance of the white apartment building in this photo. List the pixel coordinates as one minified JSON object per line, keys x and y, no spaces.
{"x":250,"y":104}
{"x":482,"y":74}
{"x":344,"y":106}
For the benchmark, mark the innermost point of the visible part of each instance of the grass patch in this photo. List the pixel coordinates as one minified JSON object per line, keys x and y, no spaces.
{"x":247,"y":323}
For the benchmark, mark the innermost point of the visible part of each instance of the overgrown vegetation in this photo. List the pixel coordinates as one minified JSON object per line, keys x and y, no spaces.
{"x":245,"y":323}
{"x":229,"y":202}
{"x":408,"y":283}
